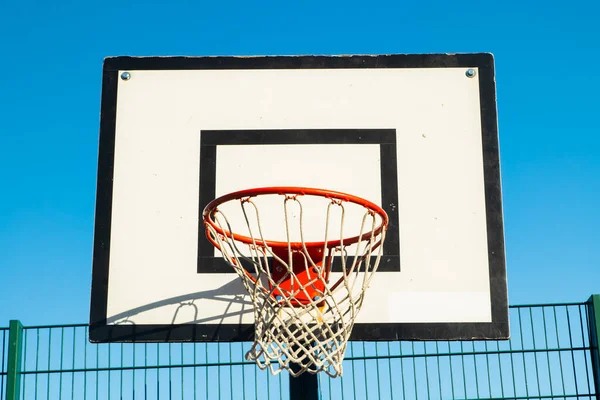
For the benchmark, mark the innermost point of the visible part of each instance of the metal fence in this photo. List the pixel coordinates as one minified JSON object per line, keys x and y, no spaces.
{"x":3,"y":360}
{"x":552,"y":354}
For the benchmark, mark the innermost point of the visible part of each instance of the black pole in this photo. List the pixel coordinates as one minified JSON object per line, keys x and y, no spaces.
{"x":304,"y":387}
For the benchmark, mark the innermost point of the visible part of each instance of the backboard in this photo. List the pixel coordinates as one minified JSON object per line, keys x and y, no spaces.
{"x":416,"y":134}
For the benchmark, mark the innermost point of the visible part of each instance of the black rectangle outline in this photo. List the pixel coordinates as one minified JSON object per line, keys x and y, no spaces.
{"x":484,"y":64}
{"x":385,"y":138}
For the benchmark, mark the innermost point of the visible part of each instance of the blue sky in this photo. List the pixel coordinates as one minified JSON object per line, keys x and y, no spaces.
{"x":50,"y":79}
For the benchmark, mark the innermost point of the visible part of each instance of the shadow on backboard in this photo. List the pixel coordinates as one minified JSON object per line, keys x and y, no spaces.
{"x":187,"y":312}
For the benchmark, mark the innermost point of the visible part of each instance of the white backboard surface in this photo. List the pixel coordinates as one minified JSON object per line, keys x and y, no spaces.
{"x":415,"y":134}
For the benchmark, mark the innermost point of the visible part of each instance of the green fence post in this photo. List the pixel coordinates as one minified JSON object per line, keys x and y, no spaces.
{"x":594,"y":323}
{"x":15,"y":353}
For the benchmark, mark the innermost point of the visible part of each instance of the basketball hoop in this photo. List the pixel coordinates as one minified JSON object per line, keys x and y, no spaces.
{"x":308,"y":287}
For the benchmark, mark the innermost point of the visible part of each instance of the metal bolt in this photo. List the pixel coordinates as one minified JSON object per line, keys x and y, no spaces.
{"x":125,"y":76}
{"x":317,"y":298}
{"x":470,"y":73}
{"x":278,"y":298}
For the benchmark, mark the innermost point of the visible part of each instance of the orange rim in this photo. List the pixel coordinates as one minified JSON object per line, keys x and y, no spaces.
{"x":292,"y":190}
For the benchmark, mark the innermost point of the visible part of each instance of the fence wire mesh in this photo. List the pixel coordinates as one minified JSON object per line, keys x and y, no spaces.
{"x":3,"y":359}
{"x":548,"y":357}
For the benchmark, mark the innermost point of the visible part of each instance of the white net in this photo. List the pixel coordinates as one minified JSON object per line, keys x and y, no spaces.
{"x":306,"y":294}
